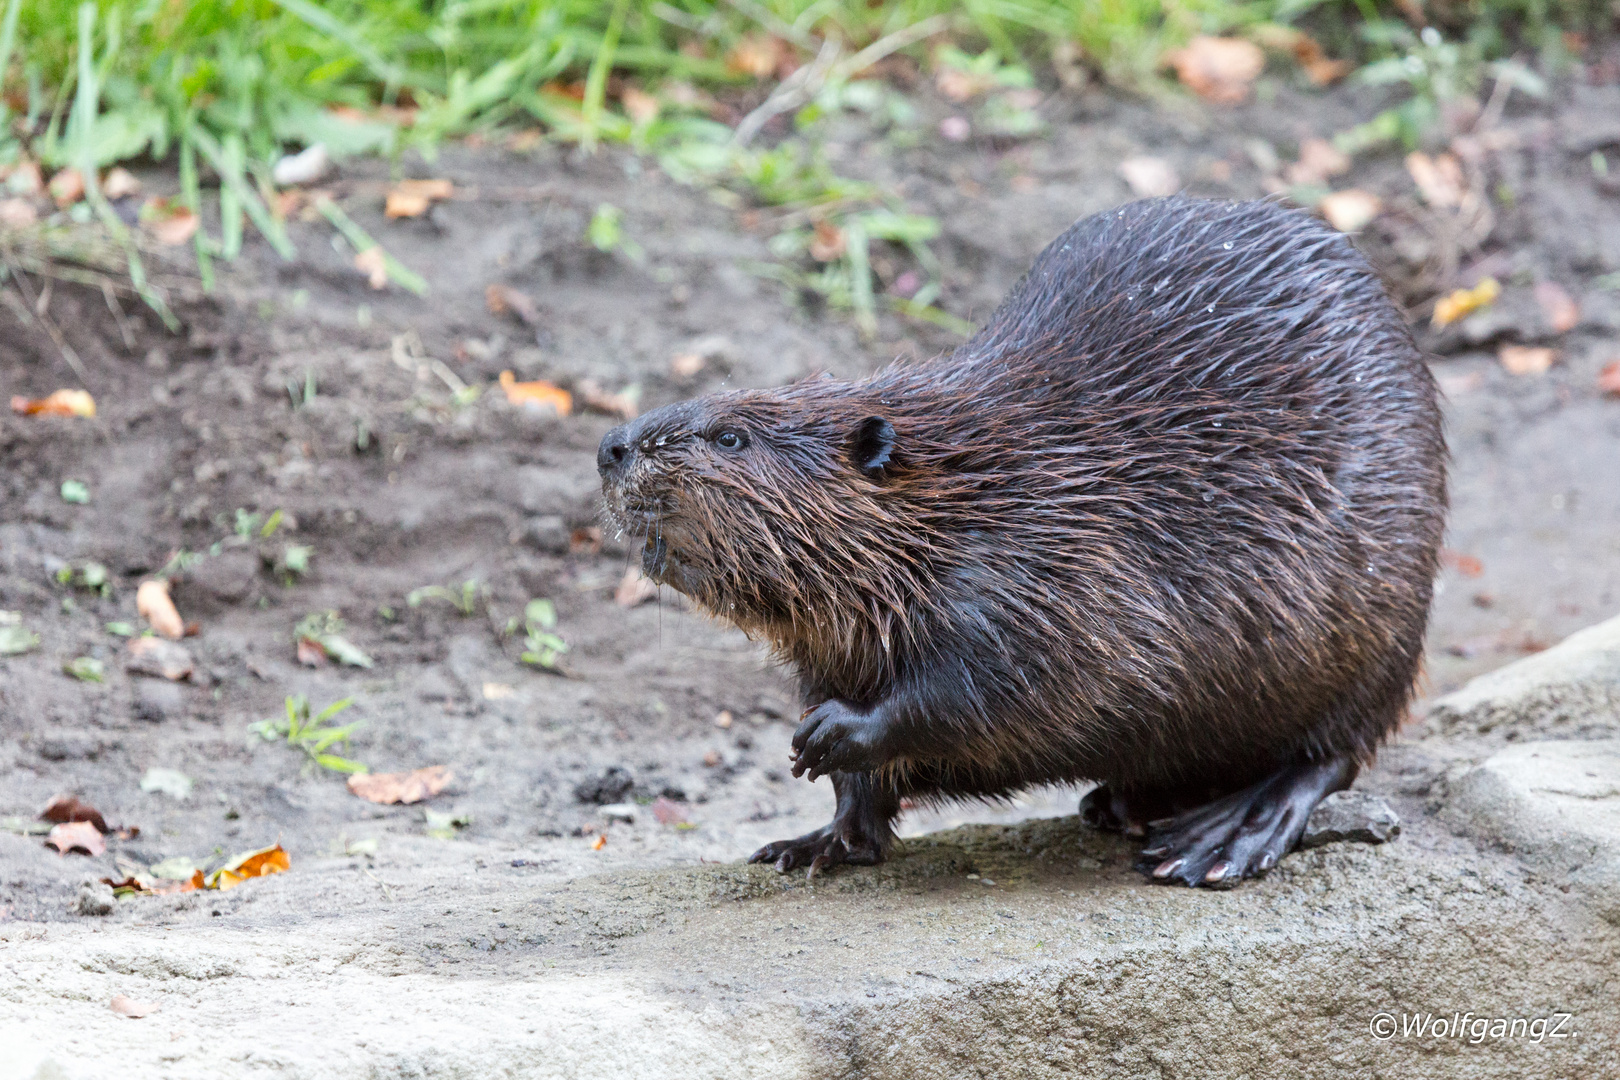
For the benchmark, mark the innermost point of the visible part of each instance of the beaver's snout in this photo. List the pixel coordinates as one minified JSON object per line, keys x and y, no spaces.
{"x":614,"y":456}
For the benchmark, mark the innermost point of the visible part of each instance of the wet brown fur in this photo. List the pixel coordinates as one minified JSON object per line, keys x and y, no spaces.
{"x":1170,"y":520}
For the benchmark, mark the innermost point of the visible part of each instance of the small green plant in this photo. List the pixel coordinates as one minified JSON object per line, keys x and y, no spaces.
{"x":606,"y":230}
{"x":323,"y":631}
{"x":312,"y":735}
{"x":75,"y":491}
{"x":15,"y":638}
{"x":542,"y":647}
{"x":86,"y":669}
{"x":88,"y":575}
{"x":294,"y":562}
{"x":465,"y":600}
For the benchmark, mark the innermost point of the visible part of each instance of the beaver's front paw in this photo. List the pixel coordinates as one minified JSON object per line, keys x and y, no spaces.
{"x":834,"y":737}
{"x":827,"y":846}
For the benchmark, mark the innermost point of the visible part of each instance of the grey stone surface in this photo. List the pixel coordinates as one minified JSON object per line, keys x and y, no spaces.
{"x":1030,"y":949}
{"x":1069,"y":965}
{"x":1557,"y":806}
{"x":1570,"y":690}
{"x":1353,"y":815}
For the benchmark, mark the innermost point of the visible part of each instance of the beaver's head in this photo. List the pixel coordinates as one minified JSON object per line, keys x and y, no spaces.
{"x":756,"y":504}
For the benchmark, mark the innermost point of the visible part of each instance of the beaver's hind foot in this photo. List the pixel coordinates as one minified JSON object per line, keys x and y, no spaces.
{"x":827,"y":846}
{"x":859,"y":832}
{"x":1243,"y":834}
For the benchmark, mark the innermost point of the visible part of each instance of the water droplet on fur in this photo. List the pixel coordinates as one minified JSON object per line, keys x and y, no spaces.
{"x":1370,"y":568}
{"x":1217,"y":423}
{"x":1227,"y":245}
{"x":1208,"y":497}
{"x":1211,"y":308}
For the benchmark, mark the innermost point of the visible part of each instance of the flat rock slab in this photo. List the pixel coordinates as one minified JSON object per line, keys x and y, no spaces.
{"x":1557,"y":806}
{"x":1569,"y":690}
{"x":1029,"y":950}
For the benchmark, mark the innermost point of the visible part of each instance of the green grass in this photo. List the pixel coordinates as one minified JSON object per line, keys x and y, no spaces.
{"x":225,"y":87}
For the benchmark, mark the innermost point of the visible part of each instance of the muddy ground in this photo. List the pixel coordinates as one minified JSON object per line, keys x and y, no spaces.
{"x":195,"y":426}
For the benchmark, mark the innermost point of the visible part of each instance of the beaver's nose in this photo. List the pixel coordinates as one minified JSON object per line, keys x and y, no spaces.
{"x":616,"y":451}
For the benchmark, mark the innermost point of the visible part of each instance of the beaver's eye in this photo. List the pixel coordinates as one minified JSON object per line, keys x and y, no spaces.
{"x":728,"y":440}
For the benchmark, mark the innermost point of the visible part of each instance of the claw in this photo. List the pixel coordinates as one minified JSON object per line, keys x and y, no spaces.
{"x":1168,"y":867}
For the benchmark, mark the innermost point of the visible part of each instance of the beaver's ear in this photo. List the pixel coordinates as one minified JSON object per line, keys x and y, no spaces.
{"x":871,"y":446}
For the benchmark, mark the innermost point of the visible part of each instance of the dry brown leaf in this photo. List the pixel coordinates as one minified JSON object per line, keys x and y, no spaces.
{"x":585,"y":540}
{"x":959,"y":86}
{"x":57,"y":403}
{"x":1558,"y":307}
{"x":1318,"y":160}
{"x":174,"y":226}
{"x":1526,"y":359}
{"x":625,"y":404}
{"x":1439,"y":178}
{"x":66,"y":188}
{"x":634,"y":589}
{"x":18,"y":213}
{"x":757,"y":55}
{"x":599,"y":843}
{"x":1150,"y":177}
{"x":155,"y":656}
{"x":310,"y":653}
{"x":640,"y":106}
{"x":828,"y":242}
{"x":76,"y":836}
{"x":668,"y":811}
{"x":261,"y":863}
{"x":411,"y":198}
{"x":723,"y":719}
{"x":65,"y":808}
{"x":152,"y":603}
{"x":1469,"y":566}
{"x":1453,"y":306}
{"x":371,"y":263}
{"x":505,"y":300}
{"x":1350,"y":210}
{"x":411,"y":787}
{"x":128,"y":1006}
{"x":1218,"y":69}
{"x":120,"y":183}
{"x":1609,"y":379}
{"x":495,"y":691}
{"x":538,"y":393}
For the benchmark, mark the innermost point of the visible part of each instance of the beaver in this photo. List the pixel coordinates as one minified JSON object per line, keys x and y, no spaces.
{"x":1169,"y":521}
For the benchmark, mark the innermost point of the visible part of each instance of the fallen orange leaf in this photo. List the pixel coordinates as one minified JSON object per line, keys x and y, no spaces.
{"x":1453,"y":306}
{"x":1218,"y":69}
{"x":625,"y":404}
{"x":1560,"y":308}
{"x":76,"y":836}
{"x":169,"y":222}
{"x":1527,"y":359}
{"x":57,"y":403}
{"x":153,"y":604}
{"x":536,"y":393}
{"x":1469,"y":566}
{"x":66,"y":187}
{"x":756,"y":54}
{"x":405,"y":204}
{"x":128,"y":1006}
{"x":828,"y":242}
{"x":261,"y":863}
{"x":411,"y":787}
{"x":1318,"y":160}
{"x":599,"y":843}
{"x":1609,"y":378}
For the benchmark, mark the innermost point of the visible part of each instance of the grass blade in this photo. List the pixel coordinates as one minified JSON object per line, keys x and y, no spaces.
{"x":362,"y":241}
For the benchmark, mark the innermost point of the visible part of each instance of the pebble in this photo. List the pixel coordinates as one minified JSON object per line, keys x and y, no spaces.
{"x":1351,"y":815}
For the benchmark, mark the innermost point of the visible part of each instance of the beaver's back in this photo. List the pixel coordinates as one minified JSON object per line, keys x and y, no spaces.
{"x":1181,"y":502}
